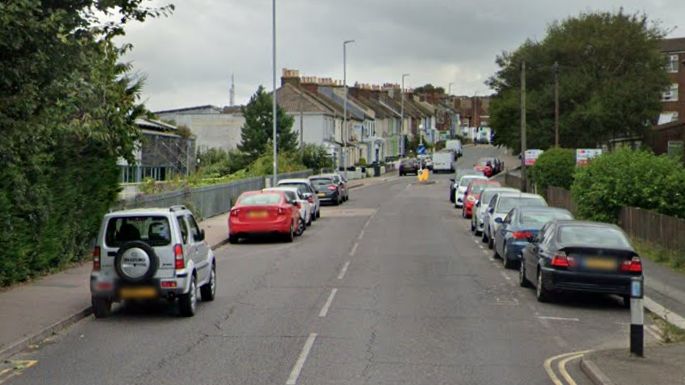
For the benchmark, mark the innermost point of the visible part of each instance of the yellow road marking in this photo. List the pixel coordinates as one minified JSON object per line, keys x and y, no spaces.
{"x":564,"y":372}
{"x":18,"y":367}
{"x":550,"y":372}
{"x":5,"y":371}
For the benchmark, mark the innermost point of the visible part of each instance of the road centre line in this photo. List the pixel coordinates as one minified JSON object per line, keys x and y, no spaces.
{"x":327,"y":305}
{"x":299,"y":364}
{"x":557,"y":318}
{"x":354,"y":249}
{"x":344,"y":270}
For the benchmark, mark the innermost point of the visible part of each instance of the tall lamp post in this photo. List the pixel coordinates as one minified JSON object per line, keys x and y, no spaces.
{"x":449,"y":88}
{"x":273,"y":94}
{"x":344,"y":130}
{"x":402,"y":110}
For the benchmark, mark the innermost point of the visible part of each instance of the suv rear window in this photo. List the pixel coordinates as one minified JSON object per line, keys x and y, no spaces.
{"x":321,"y":181}
{"x":153,"y":230}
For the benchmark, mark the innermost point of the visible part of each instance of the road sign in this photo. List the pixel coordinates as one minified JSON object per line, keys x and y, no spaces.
{"x":583,"y":155}
{"x":531,"y":156}
{"x":421,"y":150}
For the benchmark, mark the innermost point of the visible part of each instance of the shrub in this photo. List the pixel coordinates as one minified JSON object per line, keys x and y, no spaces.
{"x":629,"y":178}
{"x":555,"y":167}
{"x":316,"y":157}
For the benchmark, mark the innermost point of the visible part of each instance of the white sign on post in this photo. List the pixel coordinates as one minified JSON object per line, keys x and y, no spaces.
{"x":531,"y":156}
{"x":583,"y":155}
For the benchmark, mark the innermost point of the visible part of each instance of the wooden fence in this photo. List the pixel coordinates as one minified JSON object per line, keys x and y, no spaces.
{"x":662,"y":230}
{"x":560,"y":197}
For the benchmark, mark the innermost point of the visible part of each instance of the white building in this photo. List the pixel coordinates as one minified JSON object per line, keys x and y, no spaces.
{"x":213,"y":127}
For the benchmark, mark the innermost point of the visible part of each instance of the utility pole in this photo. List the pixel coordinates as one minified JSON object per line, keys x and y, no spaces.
{"x":449,"y":88}
{"x":556,"y":104}
{"x":523,"y":127}
{"x":273,"y":95}
{"x":301,"y":122}
{"x":344,"y":130}
{"x":402,"y":108}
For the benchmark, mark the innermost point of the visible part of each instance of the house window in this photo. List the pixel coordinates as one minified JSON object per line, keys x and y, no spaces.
{"x":672,"y":64}
{"x":671,"y":94}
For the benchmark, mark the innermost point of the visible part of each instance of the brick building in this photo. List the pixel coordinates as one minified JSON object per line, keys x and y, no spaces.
{"x":674,"y":97}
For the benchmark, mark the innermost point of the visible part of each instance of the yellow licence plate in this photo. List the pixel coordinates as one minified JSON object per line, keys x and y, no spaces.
{"x":600,"y":264}
{"x":138,"y":293}
{"x":257,"y":214}
{"x":321,"y":194}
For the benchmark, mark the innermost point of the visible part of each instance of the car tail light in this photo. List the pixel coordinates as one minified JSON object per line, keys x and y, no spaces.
{"x":332,"y":187}
{"x":561,"y":260}
{"x":521,"y":234}
{"x":96,"y":258}
{"x":633,"y":265}
{"x":235,"y":212}
{"x":179,"y":262}
{"x":105,"y":286}
{"x":168,"y":284}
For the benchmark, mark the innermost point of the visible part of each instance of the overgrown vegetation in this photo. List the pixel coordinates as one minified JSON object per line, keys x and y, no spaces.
{"x":674,"y":259}
{"x":611,"y":76}
{"x":627,"y":177}
{"x":68,"y":111}
{"x":669,"y":332}
{"x":555,"y":167}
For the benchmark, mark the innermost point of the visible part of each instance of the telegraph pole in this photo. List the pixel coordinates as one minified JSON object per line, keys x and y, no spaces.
{"x":274,"y":100}
{"x":556,"y":104}
{"x":524,"y":182}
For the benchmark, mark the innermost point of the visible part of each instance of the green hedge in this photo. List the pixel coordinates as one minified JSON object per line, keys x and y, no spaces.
{"x":629,"y":178}
{"x":555,"y":167}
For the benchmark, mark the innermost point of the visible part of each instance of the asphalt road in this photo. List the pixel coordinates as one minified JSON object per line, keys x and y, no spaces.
{"x":389,"y":288}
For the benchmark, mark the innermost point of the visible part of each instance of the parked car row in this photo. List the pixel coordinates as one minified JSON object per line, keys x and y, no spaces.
{"x":489,"y":166}
{"x":285,"y":210}
{"x":553,"y":252}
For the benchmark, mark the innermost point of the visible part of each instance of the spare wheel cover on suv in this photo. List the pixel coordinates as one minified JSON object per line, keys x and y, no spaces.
{"x":136,"y":261}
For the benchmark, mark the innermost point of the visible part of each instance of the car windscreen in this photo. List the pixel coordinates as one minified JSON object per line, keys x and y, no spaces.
{"x":595,"y":236}
{"x":321,"y":181}
{"x":260,"y":199}
{"x":478,"y":188}
{"x":536,"y":219}
{"x":505,"y":204}
{"x":153,"y":230}
{"x":464,"y":181}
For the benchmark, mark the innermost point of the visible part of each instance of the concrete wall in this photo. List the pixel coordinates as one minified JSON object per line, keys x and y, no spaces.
{"x":211,"y":130}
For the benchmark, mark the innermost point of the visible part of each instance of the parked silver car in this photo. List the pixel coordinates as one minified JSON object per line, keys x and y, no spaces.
{"x":146,"y":254}
{"x":499,"y":207}
{"x":479,"y":211}
{"x":307,"y":189}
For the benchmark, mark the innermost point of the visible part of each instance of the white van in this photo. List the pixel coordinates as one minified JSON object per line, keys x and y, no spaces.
{"x":454,"y":145}
{"x":444,"y":160}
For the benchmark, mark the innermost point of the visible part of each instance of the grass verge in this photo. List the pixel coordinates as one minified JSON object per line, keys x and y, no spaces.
{"x":673,"y":259}
{"x":669,"y":333}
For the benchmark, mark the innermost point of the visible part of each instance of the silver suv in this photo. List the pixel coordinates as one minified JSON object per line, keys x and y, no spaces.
{"x":146,"y":254}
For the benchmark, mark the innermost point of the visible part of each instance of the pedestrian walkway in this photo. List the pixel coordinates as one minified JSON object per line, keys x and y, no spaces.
{"x":35,"y":310}
{"x":665,"y":290}
{"x":661,"y":365}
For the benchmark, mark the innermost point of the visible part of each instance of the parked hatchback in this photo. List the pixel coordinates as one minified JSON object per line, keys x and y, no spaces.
{"x":147,"y":254}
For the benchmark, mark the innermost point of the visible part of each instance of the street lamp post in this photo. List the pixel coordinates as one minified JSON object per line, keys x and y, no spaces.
{"x":402,"y":110}
{"x":449,"y":88}
{"x":274,"y":110}
{"x":344,"y":130}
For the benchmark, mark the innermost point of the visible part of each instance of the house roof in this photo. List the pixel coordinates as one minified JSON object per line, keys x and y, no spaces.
{"x":381,"y":111}
{"x":155,"y":125}
{"x":295,"y":99}
{"x":673,"y":45}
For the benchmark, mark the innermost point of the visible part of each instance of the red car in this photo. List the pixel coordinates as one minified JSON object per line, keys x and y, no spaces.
{"x":484,"y":165}
{"x":472,"y":194}
{"x":258,"y":212}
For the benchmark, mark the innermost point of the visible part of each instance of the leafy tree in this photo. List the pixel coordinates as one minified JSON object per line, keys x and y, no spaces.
{"x":67,"y":113}
{"x":316,"y":157}
{"x":217,"y":162}
{"x":429,"y":89}
{"x":258,"y":128}
{"x":611,"y":75}
{"x":629,"y":178}
{"x":555,"y":167}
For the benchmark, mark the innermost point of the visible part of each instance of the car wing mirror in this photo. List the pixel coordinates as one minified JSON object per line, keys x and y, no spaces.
{"x":499,"y":220}
{"x":200,"y":236}
{"x":491,"y":210}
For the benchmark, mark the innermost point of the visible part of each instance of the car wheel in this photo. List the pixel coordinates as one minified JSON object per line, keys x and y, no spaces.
{"x":491,"y":243}
{"x":188,"y":302}
{"x":318,"y":213}
{"x":523,"y":281}
{"x":541,"y":293}
{"x":290,"y":236}
{"x":102,"y":307}
{"x":309,"y":222}
{"x":473,"y":228}
{"x":484,"y":238}
{"x":233,"y":239}
{"x":208,"y":290}
{"x":506,"y":262}
{"x":300,"y":227}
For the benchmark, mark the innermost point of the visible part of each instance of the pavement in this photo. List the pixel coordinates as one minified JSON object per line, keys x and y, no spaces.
{"x":46,"y":305}
{"x":662,"y":365}
{"x":388,"y":288}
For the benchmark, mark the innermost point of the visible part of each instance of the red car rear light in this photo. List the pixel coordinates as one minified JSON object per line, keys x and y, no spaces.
{"x":105,"y":286}
{"x":96,"y":258}
{"x":332,"y":187}
{"x":168,"y":284}
{"x":633,"y":265}
{"x":235,"y":212}
{"x":561,"y":260}
{"x":179,"y":261}
{"x":521,"y":234}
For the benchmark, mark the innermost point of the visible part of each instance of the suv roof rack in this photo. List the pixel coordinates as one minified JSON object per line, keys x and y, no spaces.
{"x":177,"y":208}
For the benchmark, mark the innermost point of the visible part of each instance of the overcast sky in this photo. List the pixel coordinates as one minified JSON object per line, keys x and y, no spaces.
{"x":188,"y":58}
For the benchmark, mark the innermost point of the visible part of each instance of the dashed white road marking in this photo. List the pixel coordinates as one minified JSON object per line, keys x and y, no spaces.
{"x":344,"y":270}
{"x":557,"y":318}
{"x":299,"y":364}
{"x":327,"y":305}
{"x":354,"y":249}
{"x":361,"y":235}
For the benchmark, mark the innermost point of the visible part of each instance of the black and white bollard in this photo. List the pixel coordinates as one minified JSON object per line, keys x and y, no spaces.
{"x":637,"y":317}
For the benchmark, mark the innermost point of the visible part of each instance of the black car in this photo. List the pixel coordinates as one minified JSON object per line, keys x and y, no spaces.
{"x":328,"y":189}
{"x":579,"y":256}
{"x":409,"y":166}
